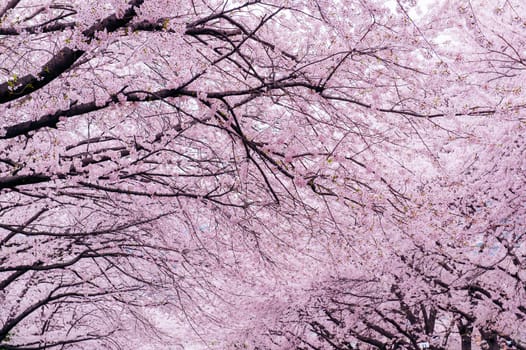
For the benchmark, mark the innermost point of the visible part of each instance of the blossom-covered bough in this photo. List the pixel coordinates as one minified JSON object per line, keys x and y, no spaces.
{"x":274,"y":174}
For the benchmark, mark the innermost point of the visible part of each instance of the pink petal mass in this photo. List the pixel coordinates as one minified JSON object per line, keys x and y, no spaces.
{"x":224,"y":174}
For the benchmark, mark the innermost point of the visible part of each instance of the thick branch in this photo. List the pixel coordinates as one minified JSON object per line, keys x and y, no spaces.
{"x":63,"y":60}
{"x":10,"y":5}
{"x":49,"y":120}
{"x":20,"y":180}
{"x":57,"y":65}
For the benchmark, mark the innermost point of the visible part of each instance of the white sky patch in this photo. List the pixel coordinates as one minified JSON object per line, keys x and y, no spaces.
{"x":419,"y":10}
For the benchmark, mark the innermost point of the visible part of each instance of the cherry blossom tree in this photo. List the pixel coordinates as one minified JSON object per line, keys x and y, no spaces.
{"x":281,"y":173}
{"x":455,"y":271}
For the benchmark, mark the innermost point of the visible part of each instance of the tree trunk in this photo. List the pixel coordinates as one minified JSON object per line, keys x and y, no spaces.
{"x":465,"y":331}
